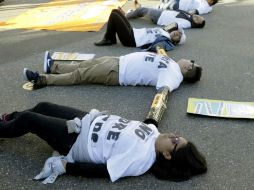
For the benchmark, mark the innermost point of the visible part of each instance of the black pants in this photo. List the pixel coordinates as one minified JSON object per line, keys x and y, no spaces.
{"x":46,"y":120}
{"x":118,"y":24}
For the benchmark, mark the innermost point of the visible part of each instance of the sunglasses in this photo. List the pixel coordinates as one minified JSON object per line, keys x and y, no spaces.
{"x":175,"y":140}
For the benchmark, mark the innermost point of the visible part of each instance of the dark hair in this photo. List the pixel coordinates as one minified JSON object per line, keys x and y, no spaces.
{"x":197,"y":25}
{"x":196,"y":76}
{"x":184,"y":163}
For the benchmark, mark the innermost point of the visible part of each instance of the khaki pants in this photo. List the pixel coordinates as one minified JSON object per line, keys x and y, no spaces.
{"x":103,"y":70}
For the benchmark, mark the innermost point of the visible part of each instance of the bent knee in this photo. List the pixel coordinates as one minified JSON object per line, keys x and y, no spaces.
{"x":42,"y":106}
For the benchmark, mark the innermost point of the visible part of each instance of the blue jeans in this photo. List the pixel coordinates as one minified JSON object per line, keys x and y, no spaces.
{"x":150,"y":13}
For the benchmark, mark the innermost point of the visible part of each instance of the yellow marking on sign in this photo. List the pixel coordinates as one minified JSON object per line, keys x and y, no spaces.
{"x":221,"y":108}
{"x":65,"y":15}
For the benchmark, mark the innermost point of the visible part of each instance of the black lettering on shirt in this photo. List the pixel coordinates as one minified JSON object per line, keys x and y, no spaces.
{"x":149,"y":31}
{"x":119,"y":126}
{"x":94,"y":137}
{"x":113,"y":135}
{"x":105,"y":118}
{"x":150,"y":59}
{"x":97,"y":127}
{"x":143,"y":131}
{"x":140,"y":133}
{"x":146,"y":129}
{"x":166,"y":59}
{"x":123,"y":120}
{"x":162,"y":65}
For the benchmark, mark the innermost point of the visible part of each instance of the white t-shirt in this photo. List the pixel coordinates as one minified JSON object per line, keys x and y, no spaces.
{"x":147,"y":68}
{"x":148,"y":35}
{"x":127,"y":147}
{"x":188,"y":5}
{"x":201,"y":5}
{"x":169,"y":16}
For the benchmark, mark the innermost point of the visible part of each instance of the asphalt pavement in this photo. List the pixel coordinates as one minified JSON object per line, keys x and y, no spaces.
{"x":224,"y":48}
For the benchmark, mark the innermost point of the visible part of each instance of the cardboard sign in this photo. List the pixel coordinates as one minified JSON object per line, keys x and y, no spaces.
{"x":221,"y":108}
{"x":65,"y":15}
{"x":68,"y":56}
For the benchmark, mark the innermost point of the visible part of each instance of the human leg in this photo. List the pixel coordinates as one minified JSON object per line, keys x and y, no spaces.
{"x":37,"y":79}
{"x":48,"y":109}
{"x":59,"y":111}
{"x":139,"y":12}
{"x":107,"y":73}
{"x":123,"y":28}
{"x":118,"y":24}
{"x":52,"y":130}
{"x":60,"y":68}
{"x":150,"y":13}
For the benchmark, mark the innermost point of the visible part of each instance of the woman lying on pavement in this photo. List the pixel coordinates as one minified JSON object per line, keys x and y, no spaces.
{"x":96,"y":144}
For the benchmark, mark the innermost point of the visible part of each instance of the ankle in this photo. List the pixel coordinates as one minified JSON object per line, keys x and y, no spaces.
{"x":42,"y":80}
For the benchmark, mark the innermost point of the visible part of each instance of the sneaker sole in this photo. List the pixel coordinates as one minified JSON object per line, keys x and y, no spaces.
{"x":45,"y":67}
{"x":24,"y":74}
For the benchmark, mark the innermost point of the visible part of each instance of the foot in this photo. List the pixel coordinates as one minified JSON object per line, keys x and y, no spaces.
{"x":105,"y":42}
{"x":48,"y":62}
{"x":31,"y":76}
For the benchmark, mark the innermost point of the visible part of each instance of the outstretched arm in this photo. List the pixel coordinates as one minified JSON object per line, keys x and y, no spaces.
{"x":158,"y":106}
{"x":56,"y":165}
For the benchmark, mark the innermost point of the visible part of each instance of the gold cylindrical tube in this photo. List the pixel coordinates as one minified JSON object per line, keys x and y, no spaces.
{"x":158,"y":105}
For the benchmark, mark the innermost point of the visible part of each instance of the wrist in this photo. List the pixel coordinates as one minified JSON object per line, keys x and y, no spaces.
{"x":64,"y":162}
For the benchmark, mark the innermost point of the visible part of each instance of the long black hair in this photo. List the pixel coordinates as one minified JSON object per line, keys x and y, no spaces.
{"x":184,"y":163}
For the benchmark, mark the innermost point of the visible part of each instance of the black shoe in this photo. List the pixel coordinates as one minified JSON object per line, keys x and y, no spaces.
{"x":9,"y":116}
{"x":31,"y":76}
{"x":4,"y":118}
{"x":105,"y":42}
